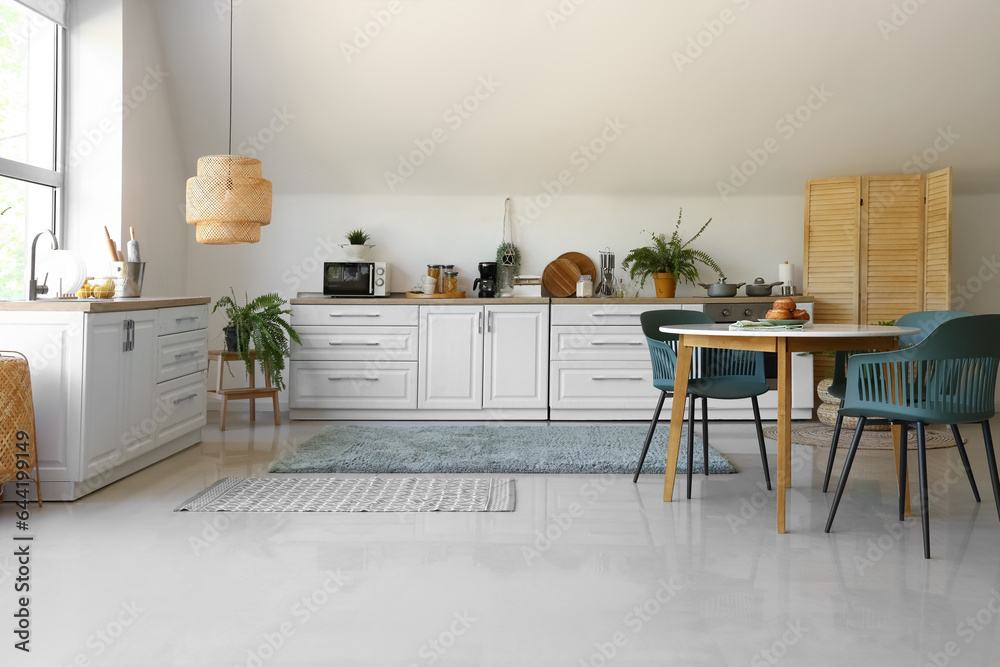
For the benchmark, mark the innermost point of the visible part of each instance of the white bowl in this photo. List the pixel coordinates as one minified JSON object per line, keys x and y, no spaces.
{"x":356,"y":251}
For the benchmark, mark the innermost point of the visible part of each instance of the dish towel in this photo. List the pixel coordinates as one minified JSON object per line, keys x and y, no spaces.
{"x":750,"y":324}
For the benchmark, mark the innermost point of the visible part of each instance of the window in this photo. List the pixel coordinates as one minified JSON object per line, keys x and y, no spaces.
{"x":31,"y":112}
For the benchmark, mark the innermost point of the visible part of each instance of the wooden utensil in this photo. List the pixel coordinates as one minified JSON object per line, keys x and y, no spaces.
{"x":112,"y":248}
{"x":560,"y":276}
{"x":132,"y":246}
{"x":582,"y":261}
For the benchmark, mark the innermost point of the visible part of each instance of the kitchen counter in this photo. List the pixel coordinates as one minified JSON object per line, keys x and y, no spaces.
{"x":398,"y":298}
{"x":103,"y":305}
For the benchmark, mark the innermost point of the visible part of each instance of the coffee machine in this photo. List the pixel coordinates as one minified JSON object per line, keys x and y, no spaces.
{"x":487,"y":280}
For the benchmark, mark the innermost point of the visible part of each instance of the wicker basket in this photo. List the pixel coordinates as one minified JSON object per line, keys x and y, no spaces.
{"x":17,"y":415}
{"x":827,"y":410}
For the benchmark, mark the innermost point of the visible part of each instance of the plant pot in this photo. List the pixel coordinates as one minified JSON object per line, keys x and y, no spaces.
{"x":356,"y":252}
{"x":666,"y":285}
{"x":231,"y":345}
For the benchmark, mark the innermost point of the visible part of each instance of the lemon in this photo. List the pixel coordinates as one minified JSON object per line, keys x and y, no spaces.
{"x":105,"y":290}
{"x":86,"y":290}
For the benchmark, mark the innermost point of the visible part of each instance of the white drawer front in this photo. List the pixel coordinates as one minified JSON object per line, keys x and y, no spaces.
{"x":356,"y":344}
{"x":180,"y":354}
{"x":352,"y":384}
{"x":608,"y":385}
{"x":180,"y":406}
{"x":185,"y":318}
{"x":402,"y":316}
{"x":603,"y":312}
{"x":626,"y":343}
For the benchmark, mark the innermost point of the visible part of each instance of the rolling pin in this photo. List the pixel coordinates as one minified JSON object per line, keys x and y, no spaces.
{"x":112,"y":248}
{"x":132,"y":246}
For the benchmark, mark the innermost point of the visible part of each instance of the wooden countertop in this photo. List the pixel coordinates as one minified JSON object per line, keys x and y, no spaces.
{"x":103,"y":305}
{"x":398,"y":298}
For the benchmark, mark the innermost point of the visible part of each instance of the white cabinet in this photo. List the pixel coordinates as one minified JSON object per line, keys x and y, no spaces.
{"x":113,"y":391}
{"x":451,"y":358}
{"x":515,"y":372}
{"x":119,"y":384}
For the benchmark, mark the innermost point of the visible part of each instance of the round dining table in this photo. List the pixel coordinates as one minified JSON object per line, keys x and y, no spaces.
{"x":784,"y":342}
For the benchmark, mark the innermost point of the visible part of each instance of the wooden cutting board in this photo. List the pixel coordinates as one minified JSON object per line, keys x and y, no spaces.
{"x":560,"y":276}
{"x":582,"y":261}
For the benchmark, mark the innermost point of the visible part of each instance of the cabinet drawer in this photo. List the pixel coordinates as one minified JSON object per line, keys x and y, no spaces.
{"x":180,"y":354}
{"x":402,"y":316}
{"x":356,"y":344}
{"x":609,"y":385}
{"x":626,"y":343}
{"x":185,"y":318}
{"x":353,"y":384}
{"x":180,"y":406}
{"x":607,"y":312}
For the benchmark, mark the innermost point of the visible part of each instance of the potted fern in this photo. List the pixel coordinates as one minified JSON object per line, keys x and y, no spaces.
{"x":357,"y":246}
{"x":259,"y":322}
{"x":668,"y":260}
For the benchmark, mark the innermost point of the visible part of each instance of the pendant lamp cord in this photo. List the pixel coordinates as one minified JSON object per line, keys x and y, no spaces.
{"x":230,"y":77}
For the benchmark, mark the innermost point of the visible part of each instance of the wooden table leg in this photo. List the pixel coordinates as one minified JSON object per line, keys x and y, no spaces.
{"x":784,"y":427}
{"x":677,"y":417}
{"x":897,"y":434}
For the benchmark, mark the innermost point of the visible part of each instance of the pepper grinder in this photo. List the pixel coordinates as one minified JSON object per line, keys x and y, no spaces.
{"x":607,"y":286}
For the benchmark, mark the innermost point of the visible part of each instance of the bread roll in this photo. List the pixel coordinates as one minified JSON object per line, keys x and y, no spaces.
{"x":799,"y":314}
{"x":784,"y":303}
{"x":778,"y":314}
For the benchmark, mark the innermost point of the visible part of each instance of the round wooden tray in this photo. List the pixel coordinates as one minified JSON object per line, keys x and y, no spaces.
{"x":559,"y":278}
{"x":582,"y":261}
{"x":419,"y":295}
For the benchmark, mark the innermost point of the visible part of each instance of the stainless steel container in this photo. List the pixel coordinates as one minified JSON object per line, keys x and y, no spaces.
{"x":128,"y":278}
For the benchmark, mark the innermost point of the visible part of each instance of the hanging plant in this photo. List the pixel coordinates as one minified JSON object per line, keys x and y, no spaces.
{"x":508,"y":256}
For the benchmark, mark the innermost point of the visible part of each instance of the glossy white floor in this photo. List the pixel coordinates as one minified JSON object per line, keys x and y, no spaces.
{"x":587,"y":571}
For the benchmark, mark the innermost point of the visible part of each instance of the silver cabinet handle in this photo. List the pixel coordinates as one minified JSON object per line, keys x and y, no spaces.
{"x":191,"y":353}
{"x":480,"y":321}
{"x":371,"y":342}
{"x":185,"y":319}
{"x":185,"y":398}
{"x":616,"y":314}
{"x":612,"y":342}
{"x":614,"y":377}
{"x":350,"y":315}
{"x":489,"y":322}
{"x":353,"y":377}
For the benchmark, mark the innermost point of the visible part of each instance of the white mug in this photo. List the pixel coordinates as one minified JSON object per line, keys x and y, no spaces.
{"x":430,"y":283}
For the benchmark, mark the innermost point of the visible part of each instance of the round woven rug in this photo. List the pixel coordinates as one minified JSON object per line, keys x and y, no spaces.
{"x":816,"y":434}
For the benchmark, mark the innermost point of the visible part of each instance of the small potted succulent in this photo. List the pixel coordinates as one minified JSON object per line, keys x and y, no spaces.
{"x":259,"y":321}
{"x":668,"y":260}
{"x":357,"y":246}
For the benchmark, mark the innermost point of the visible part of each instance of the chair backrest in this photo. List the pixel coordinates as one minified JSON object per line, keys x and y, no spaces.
{"x":652,"y":320}
{"x":708,"y":363}
{"x":948,"y":378}
{"x":927,"y":321}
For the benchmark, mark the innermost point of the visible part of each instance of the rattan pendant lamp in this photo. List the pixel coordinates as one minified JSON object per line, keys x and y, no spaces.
{"x":228,"y":200}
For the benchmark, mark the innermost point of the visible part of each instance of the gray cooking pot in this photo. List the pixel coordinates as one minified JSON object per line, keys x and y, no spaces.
{"x":760,"y":288}
{"x":722,"y":288}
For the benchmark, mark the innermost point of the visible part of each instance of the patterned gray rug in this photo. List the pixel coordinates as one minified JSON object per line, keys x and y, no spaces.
{"x":491,"y":448}
{"x":377,"y":494}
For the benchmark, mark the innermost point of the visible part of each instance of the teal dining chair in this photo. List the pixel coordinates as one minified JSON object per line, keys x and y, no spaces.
{"x":723,"y":374}
{"x":948,"y":378}
{"x":927,"y":321}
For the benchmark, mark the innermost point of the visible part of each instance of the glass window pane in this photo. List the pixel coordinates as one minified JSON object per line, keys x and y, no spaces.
{"x":26,"y":210}
{"x":27,"y":85}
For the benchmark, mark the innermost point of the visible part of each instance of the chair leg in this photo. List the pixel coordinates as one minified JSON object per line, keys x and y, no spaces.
{"x":842,"y":482}
{"x":833,"y":449}
{"x":925,"y":519}
{"x":704,"y":432}
{"x":965,"y":461}
{"x":760,"y":441}
{"x":690,"y":446}
{"x":649,"y":435}
{"x":901,"y":481}
{"x":991,"y":458}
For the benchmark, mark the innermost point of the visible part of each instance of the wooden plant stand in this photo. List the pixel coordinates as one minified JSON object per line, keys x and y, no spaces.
{"x":252,"y":392}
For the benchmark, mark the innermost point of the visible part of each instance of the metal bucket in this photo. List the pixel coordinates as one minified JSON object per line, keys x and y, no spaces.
{"x":128,"y":278}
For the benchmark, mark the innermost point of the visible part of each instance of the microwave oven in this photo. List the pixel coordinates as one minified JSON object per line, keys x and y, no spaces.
{"x":355,"y":279}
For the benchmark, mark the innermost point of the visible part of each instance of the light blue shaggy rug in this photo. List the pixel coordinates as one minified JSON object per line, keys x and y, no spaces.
{"x":491,"y":448}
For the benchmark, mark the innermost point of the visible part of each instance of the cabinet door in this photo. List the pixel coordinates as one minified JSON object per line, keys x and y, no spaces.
{"x":103,"y":383}
{"x":139,"y":428}
{"x":450,"y":370}
{"x":515,"y":374}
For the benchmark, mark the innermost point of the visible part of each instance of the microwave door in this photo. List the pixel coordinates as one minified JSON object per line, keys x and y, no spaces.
{"x":349,"y":279}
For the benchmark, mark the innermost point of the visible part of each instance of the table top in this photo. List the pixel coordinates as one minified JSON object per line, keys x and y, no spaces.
{"x":808,"y":331}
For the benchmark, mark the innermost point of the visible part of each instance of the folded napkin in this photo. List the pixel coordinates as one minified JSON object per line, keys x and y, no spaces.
{"x":750,"y":324}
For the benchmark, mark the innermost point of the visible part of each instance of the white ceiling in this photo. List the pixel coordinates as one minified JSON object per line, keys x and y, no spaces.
{"x":685,"y":129}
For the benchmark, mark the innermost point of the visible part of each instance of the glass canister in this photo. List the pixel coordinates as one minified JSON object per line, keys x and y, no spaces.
{"x":450,"y":281}
{"x":585,"y":286}
{"x":444,"y":269}
{"x":434,"y":271}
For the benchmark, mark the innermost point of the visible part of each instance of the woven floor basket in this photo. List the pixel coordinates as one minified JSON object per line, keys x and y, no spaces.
{"x":17,"y":414}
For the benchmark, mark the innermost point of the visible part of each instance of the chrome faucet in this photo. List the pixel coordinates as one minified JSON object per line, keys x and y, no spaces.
{"x":34,"y":289}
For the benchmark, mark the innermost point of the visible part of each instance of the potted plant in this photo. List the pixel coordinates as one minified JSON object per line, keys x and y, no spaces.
{"x":357,"y":246}
{"x":668,"y":260}
{"x":508,"y":266}
{"x":259,"y":321}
